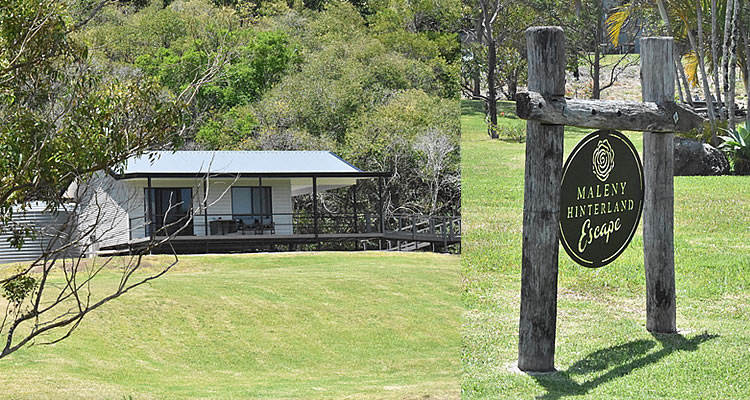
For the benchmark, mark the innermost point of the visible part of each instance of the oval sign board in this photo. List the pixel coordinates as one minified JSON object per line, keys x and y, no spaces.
{"x":601,"y":198}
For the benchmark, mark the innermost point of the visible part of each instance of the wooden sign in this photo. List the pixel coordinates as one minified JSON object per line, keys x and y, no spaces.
{"x":601,"y":198}
{"x":545,"y":219}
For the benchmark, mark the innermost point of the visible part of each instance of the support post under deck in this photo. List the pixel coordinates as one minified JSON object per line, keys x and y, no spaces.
{"x":315,"y":205}
{"x":150,"y":223}
{"x":354,"y":207}
{"x":205,"y":205}
{"x":380,"y":210}
{"x":262,"y":215}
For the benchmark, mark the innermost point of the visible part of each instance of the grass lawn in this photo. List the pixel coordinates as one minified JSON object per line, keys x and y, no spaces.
{"x":603,"y":349}
{"x":364,"y":325}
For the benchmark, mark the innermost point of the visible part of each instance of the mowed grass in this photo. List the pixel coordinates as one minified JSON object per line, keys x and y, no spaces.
{"x":603,"y":349}
{"x":364,"y":325}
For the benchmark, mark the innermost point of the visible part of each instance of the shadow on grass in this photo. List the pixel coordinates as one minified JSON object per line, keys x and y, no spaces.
{"x":507,"y":108}
{"x":619,"y":360}
{"x":476,"y":107}
{"x":472,"y":107}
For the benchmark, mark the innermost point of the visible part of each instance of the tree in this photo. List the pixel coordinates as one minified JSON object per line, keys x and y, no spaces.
{"x":490,"y":11}
{"x":495,"y":43}
{"x":436,"y":150}
{"x":684,"y":20}
{"x":585,"y":29}
{"x":64,"y":122}
{"x":706,"y":89}
{"x":357,"y":81}
{"x":423,"y":156}
{"x":472,"y":54}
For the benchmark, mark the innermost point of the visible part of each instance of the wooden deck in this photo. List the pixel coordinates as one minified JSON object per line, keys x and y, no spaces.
{"x":236,"y":242}
{"x":411,"y":232}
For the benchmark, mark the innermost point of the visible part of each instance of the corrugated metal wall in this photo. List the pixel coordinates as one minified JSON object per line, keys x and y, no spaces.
{"x":104,"y":210}
{"x":45,"y":224}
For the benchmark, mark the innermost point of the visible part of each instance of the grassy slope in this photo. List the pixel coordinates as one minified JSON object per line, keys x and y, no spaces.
{"x":327,"y":325}
{"x":603,"y":348}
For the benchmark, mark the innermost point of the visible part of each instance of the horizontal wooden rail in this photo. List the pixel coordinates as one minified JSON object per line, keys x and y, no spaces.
{"x":428,"y":228}
{"x":607,"y":114}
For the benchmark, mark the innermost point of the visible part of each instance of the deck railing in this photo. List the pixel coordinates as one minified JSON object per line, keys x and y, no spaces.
{"x":217,"y":224}
{"x":398,"y":227}
{"x":420,"y":227}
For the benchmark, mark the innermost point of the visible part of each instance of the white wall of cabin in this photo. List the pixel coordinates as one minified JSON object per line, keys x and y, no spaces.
{"x":219,"y":201}
{"x":104,"y":211}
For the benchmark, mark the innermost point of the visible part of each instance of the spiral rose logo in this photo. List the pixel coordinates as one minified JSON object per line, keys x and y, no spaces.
{"x":604,"y":160}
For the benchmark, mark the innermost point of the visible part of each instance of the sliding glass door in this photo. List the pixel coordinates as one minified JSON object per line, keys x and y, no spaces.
{"x":170,"y":211}
{"x":252,"y":205}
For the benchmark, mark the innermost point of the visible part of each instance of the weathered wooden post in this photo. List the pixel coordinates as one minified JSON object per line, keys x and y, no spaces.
{"x":657,"y":78}
{"x":541,"y":209}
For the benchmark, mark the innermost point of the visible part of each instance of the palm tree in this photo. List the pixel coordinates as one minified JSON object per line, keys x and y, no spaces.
{"x":684,"y":20}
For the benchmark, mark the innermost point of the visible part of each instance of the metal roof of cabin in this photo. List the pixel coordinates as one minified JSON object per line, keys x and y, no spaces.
{"x":238,"y":162}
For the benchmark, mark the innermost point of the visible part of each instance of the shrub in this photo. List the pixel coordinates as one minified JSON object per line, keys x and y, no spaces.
{"x":512,"y":132}
{"x":737,"y":147}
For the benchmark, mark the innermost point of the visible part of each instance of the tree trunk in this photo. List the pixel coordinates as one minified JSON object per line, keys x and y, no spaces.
{"x":596,"y":91}
{"x":513,"y":86}
{"x":595,"y":71}
{"x":747,"y":78}
{"x":663,"y":12}
{"x":701,"y":63}
{"x":476,"y":77}
{"x":491,"y":90}
{"x":678,"y":84}
{"x":715,"y":52}
{"x":733,"y":65}
{"x":488,"y":17}
{"x":675,"y":54}
{"x":725,"y":47}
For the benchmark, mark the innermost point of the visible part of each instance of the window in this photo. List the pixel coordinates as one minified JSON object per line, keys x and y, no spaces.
{"x":251,"y":204}
{"x":169,"y":211}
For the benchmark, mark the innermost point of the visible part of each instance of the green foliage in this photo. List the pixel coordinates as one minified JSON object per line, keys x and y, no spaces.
{"x":24,"y":57}
{"x":193,"y":41}
{"x":122,"y":38}
{"x":253,"y":68}
{"x":287,"y":77}
{"x":388,"y":138}
{"x":19,"y":288}
{"x":425,"y":31}
{"x":174,"y":68}
{"x":109,"y":123}
{"x":228,"y":129}
{"x":340,"y":82}
{"x":410,"y":113}
{"x":439,"y":16}
{"x":256,"y":67}
{"x":737,"y":147}
{"x":61,"y":120}
{"x":372,"y":93}
{"x":120,"y":35}
{"x":512,"y":132}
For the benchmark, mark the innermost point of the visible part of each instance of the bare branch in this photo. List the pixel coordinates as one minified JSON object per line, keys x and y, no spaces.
{"x":91,"y":15}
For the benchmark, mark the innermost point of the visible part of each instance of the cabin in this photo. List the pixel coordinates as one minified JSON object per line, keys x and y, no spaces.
{"x":215,"y":201}
{"x":226,"y":201}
